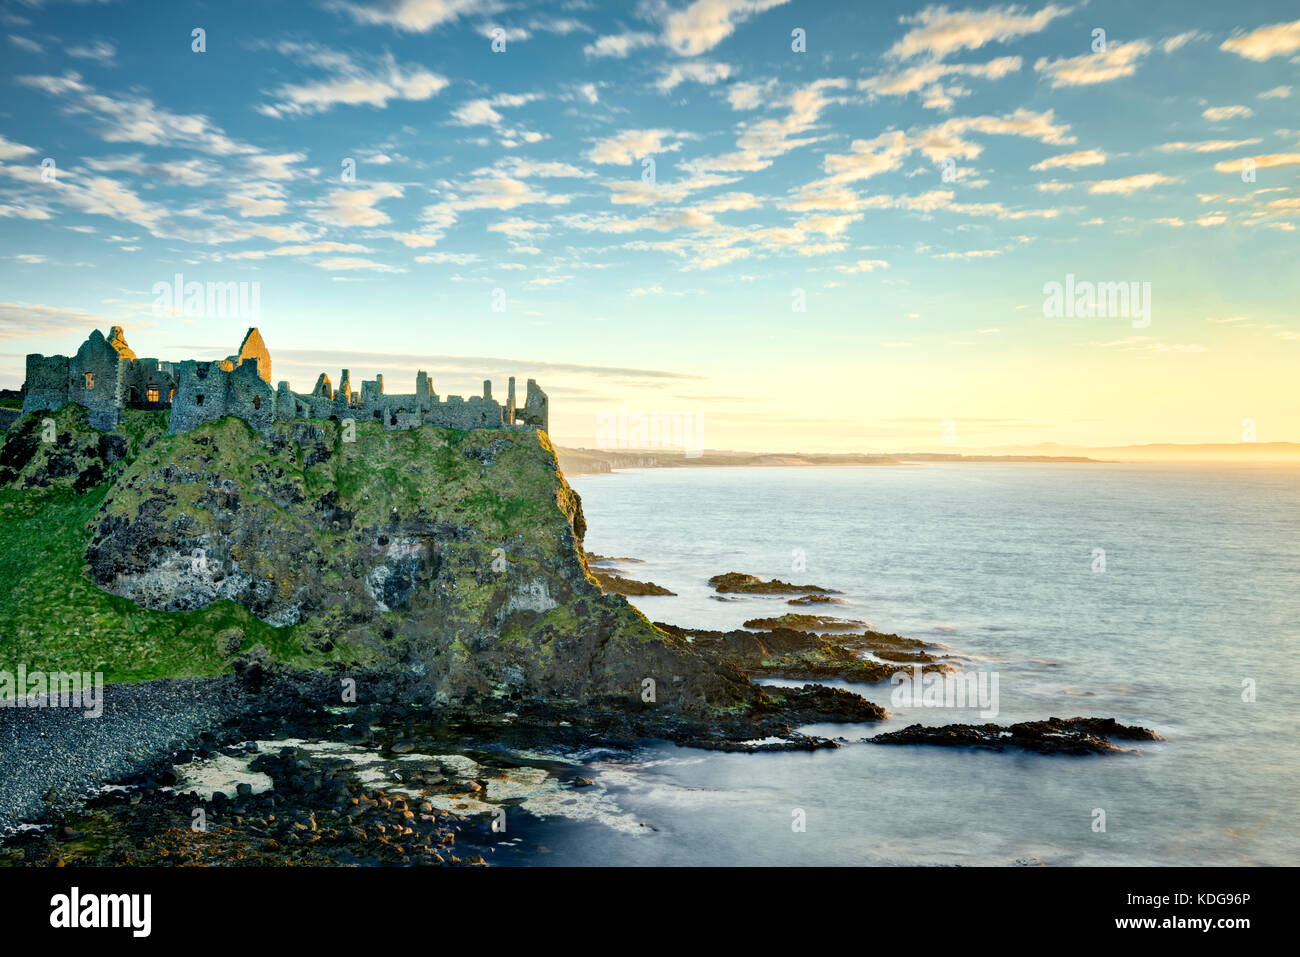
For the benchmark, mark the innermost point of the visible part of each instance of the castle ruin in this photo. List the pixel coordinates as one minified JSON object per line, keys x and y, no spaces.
{"x":105,"y":376}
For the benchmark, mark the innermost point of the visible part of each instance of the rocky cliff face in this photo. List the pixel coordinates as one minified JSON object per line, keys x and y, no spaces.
{"x":455,"y":555}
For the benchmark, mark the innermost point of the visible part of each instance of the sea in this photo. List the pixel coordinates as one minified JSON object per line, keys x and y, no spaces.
{"x":1166,"y":596}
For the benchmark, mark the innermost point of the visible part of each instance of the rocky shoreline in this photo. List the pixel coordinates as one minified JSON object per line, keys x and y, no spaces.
{"x":285,"y":775}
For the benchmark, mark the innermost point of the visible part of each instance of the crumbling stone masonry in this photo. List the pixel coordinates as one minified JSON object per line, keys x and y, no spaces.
{"x":106,"y":377}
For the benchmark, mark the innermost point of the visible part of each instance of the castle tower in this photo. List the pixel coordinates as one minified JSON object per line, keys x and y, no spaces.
{"x":254,"y":348}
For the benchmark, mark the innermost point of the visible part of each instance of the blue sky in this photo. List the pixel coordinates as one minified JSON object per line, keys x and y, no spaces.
{"x":913,"y":178}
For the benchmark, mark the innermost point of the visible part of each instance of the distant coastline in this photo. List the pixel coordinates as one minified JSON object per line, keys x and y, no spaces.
{"x":601,"y":461}
{"x":583,"y":461}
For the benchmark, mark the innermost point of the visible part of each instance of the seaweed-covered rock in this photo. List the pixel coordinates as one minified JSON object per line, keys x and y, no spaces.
{"x":745,"y":584}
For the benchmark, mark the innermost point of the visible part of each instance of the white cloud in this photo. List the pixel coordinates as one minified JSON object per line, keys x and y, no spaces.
{"x":944,"y":141}
{"x":23,"y":320}
{"x":23,"y":43}
{"x":745,"y":96}
{"x":1218,"y":113}
{"x":1277,"y":93}
{"x":302,"y":249}
{"x":1072,"y":160}
{"x":1117,"y":60}
{"x":70,"y":82}
{"x":1206,"y":146}
{"x":970,"y":254}
{"x":696,"y":72}
{"x":254,"y":200}
{"x":703,"y":24}
{"x":456,"y":259}
{"x":729,"y":202}
{"x":522,"y":168}
{"x":349,"y":83}
{"x":355,"y":206}
{"x":1170,"y":44}
{"x":413,"y":16}
{"x":508,"y":34}
{"x":349,"y":263}
{"x":929,"y":77}
{"x":1268,"y":161}
{"x":9,"y":150}
{"x":191,"y":172}
{"x":484,"y":111}
{"x":623,"y":148}
{"x":276,"y":166}
{"x":619,"y":44}
{"x":940,"y":32}
{"x":99,"y":50}
{"x":1130,"y":184}
{"x":864,"y":265}
{"x":137,"y":119}
{"x":1276,"y":40}
{"x":761,"y":141}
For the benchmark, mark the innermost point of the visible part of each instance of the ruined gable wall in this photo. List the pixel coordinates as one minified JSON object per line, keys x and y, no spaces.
{"x":254,"y":348}
{"x":537,"y":408}
{"x":102,"y":394}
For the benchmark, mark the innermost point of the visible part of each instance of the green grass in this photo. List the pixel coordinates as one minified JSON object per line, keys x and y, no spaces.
{"x":56,"y":619}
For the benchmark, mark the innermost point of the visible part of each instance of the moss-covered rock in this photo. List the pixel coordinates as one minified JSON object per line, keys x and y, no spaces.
{"x":61,"y":450}
{"x":456,"y":555}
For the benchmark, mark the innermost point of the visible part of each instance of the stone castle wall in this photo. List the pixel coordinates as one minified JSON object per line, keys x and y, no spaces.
{"x":106,"y":377}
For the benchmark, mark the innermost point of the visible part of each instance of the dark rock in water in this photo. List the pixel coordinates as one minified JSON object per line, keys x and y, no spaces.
{"x":583,"y":782}
{"x":595,"y":559}
{"x":753,"y":585}
{"x":792,"y":653}
{"x":816,"y":600}
{"x":813,"y":703}
{"x":617,"y":585}
{"x":1053,"y":736}
{"x":809,"y":623}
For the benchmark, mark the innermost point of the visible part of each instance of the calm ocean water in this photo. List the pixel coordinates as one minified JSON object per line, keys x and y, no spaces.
{"x":997,"y":562}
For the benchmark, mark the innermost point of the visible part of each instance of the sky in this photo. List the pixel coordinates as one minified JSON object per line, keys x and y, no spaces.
{"x":783,"y":225}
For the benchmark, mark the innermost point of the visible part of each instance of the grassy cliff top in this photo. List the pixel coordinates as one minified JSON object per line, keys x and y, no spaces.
{"x":56,"y":472}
